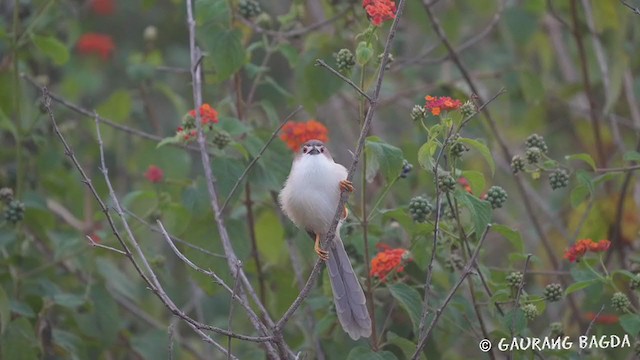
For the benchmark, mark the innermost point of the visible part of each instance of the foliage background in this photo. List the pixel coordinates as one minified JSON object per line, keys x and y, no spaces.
{"x":60,"y":298}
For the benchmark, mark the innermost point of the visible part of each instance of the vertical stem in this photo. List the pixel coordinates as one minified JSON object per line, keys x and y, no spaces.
{"x":17,"y":91}
{"x":365,"y":222}
{"x":254,"y":244}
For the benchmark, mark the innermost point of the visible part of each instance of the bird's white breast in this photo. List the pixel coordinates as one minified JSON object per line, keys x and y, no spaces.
{"x":312,"y":191}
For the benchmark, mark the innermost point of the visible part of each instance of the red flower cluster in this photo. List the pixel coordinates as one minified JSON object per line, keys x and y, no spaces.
{"x":98,"y":44}
{"x":605,"y":319}
{"x":103,"y":7}
{"x":437,"y":104}
{"x":154,"y":174}
{"x":462,"y":181}
{"x":581,"y":247}
{"x":208,"y":115}
{"x":380,"y":11}
{"x":387,"y":261}
{"x":294,"y":134}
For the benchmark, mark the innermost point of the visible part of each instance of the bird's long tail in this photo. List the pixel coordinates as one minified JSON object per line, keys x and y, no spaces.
{"x":351,"y":304}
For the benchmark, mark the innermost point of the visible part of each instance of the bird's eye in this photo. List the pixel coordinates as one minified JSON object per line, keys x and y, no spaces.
{"x":304,"y":150}
{"x":322,"y":150}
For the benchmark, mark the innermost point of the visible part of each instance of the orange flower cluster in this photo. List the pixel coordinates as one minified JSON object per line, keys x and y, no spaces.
{"x":437,"y":104}
{"x":294,"y":134}
{"x":154,"y":174}
{"x":99,"y":44}
{"x":103,"y":7}
{"x":208,"y":115}
{"x":581,"y":247}
{"x":465,"y":184}
{"x":380,"y":11}
{"x":387,"y":261}
{"x":605,"y":319}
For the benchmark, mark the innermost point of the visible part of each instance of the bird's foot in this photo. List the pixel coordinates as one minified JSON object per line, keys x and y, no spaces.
{"x":323,"y":254}
{"x":346,"y":185}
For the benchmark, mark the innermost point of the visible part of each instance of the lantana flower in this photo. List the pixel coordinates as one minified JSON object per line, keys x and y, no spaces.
{"x":208,"y":117}
{"x":387,"y":261}
{"x":380,"y":11}
{"x":581,"y":247}
{"x":154,"y":174}
{"x":294,"y":134}
{"x":437,"y":104}
{"x":98,"y":44}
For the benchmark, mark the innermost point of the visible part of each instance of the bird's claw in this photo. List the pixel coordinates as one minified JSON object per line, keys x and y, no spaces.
{"x":322,"y":254}
{"x":346,"y":185}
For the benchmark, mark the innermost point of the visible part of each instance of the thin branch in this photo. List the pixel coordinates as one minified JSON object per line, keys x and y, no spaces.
{"x":342,"y":77}
{"x":95,"y":244}
{"x":593,"y":321}
{"x":231,"y":302}
{"x":636,"y":10}
{"x":256,"y":158}
{"x":356,"y":157}
{"x":467,"y":271}
{"x":519,"y":290}
{"x":618,"y":169}
{"x":295,"y":32}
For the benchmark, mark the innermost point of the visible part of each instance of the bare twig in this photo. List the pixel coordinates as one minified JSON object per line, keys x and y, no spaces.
{"x":356,"y":157}
{"x":593,"y":321}
{"x":468,"y":269}
{"x":231,"y":302}
{"x":295,"y":32}
{"x":95,"y":244}
{"x":636,"y":10}
{"x":618,"y":169}
{"x":342,"y":77}
{"x":256,"y":158}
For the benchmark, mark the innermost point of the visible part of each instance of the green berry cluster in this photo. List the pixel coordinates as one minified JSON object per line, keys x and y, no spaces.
{"x":620,"y":301}
{"x":496,"y":196}
{"x":454,"y":262}
{"x":221,"y":139}
{"x":14,"y":212}
{"x":530,"y":311}
{"x":537,"y":141}
{"x":418,"y":113}
{"x":553,"y":292}
{"x":533,"y":155}
{"x":249,"y":9}
{"x":634,"y":283}
{"x":458,"y":149}
{"x":446,"y":182}
{"x":515,"y":279}
{"x":406,"y":169}
{"x":345,"y":60}
{"x":559,"y":179}
{"x":556,"y":330}
{"x":517,"y":164}
{"x":389,"y":60}
{"x":468,"y":108}
{"x":420,"y":208}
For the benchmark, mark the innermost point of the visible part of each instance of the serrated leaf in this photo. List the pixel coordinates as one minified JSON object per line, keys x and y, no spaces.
{"x":51,"y":47}
{"x":382,"y":157}
{"x":580,"y":285}
{"x":584,"y":157}
{"x":226,"y":52}
{"x":630,"y":323}
{"x":512,"y":235}
{"x":483,"y":150}
{"x":480,"y":210}
{"x":476,"y":180}
{"x":409,"y":300}
{"x":425,"y":155}
{"x":631,"y":156}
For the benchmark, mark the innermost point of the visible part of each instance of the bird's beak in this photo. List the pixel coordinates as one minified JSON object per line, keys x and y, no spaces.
{"x":314,"y":151}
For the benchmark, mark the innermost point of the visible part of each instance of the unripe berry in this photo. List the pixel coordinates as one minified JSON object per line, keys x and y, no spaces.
{"x":515,"y":279}
{"x":221,"y":139}
{"x":446,"y":182}
{"x":533,"y":155}
{"x":454,"y":262}
{"x":620,"y":301}
{"x":420,"y":208}
{"x":535,"y":140}
{"x":345,"y":60}
{"x":14,"y":211}
{"x":249,"y":8}
{"x":553,"y":292}
{"x":468,"y":108}
{"x":559,"y":179}
{"x":418,"y":113}
{"x":530,"y":311}
{"x":458,"y":149}
{"x":496,"y":196}
{"x":517,"y":164}
{"x":406,"y":169}
{"x":634,"y":283}
{"x":556,"y":330}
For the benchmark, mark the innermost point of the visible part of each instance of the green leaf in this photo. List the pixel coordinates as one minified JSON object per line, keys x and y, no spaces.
{"x":384,"y":157}
{"x":364,"y":52}
{"x":365,"y":353}
{"x":584,"y":157}
{"x":407,"y":346}
{"x":532,"y":88}
{"x":512,"y":235}
{"x":425,"y":155}
{"x":71,"y":301}
{"x":117,"y":279}
{"x":476,"y":180}
{"x":630,"y":323}
{"x":483,"y":150}
{"x":410,"y":301}
{"x":117,"y":107}
{"x":5,"y":310}
{"x":480,"y":210}
{"x":631,"y":156}
{"x":270,"y":236}
{"x":51,"y":47}
{"x":580,"y":285}
{"x":578,"y":195}
{"x":226,"y":52}
{"x":146,"y":345}
{"x":515,"y":320}
{"x":19,"y":342}
{"x":169,"y":140}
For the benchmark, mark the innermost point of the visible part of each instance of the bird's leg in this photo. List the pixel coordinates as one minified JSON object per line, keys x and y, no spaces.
{"x":323,"y":254}
{"x":346,"y":212}
{"x":346,"y":185}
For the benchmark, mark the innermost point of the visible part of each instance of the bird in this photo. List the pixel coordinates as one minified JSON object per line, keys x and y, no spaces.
{"x":309,"y":199}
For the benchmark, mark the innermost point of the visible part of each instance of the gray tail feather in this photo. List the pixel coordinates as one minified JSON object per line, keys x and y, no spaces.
{"x":351,"y":304}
